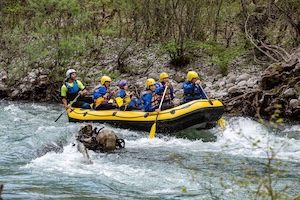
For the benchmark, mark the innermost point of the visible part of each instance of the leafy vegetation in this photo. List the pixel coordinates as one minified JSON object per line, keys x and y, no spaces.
{"x":58,"y":32}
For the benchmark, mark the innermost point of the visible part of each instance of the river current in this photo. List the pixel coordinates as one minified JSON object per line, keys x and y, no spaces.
{"x":38,"y":160}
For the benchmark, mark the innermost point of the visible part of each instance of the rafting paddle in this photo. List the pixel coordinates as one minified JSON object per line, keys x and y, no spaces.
{"x":221,"y":121}
{"x":153,"y":128}
{"x":206,"y":95}
{"x":71,"y":102}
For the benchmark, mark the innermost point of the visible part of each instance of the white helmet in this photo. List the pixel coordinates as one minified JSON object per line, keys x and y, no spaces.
{"x":69,"y":72}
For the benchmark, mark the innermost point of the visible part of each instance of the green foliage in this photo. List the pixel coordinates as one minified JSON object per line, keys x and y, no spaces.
{"x":178,"y":53}
{"x":217,"y":54}
{"x":55,"y":34}
{"x":222,"y":56}
{"x":108,"y":32}
{"x":15,"y":73}
{"x":170,"y":47}
{"x":114,"y":75}
{"x":71,"y":46}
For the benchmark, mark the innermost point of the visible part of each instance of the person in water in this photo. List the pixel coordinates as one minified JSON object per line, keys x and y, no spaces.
{"x":126,"y":100}
{"x":192,"y":89}
{"x":71,"y":89}
{"x":150,"y":98}
{"x":102,"y":94}
{"x":102,"y":140}
{"x":160,"y":88}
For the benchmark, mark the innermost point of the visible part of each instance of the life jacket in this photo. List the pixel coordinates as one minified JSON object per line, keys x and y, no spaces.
{"x":193,"y":93}
{"x":123,"y":101}
{"x":167,"y":95}
{"x":154,"y":99}
{"x":72,"y":91}
{"x":137,"y":103}
{"x":127,"y":98}
{"x":102,"y":100}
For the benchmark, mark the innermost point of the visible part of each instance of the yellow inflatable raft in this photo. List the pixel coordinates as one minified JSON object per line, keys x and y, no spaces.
{"x":197,"y":113}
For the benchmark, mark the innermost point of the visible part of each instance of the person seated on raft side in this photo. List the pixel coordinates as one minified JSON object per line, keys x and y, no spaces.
{"x":150,"y":99}
{"x":191,"y":88}
{"x":102,"y":95}
{"x":160,"y":88}
{"x":71,"y":89}
{"x":126,"y":100}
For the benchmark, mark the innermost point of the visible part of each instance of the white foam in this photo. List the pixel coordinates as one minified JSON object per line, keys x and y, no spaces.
{"x":246,"y":137}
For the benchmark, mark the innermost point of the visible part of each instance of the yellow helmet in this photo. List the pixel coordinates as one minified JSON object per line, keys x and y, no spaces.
{"x":191,"y":75}
{"x":104,"y":79}
{"x":149,"y":82}
{"x":163,"y":75}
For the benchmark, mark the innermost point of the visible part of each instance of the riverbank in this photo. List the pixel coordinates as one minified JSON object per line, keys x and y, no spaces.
{"x":232,"y":88}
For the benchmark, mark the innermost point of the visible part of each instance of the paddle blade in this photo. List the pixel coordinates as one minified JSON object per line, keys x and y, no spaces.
{"x":119,"y":101}
{"x":152,"y":131}
{"x":222,"y":122}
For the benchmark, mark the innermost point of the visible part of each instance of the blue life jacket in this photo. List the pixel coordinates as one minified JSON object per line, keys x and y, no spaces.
{"x":72,"y":91}
{"x":192,"y":91}
{"x":150,"y":100}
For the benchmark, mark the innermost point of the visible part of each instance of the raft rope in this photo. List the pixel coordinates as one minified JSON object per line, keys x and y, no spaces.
{"x":172,"y":111}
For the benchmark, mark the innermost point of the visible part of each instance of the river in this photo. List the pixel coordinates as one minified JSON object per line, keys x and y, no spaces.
{"x":39,"y":161}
